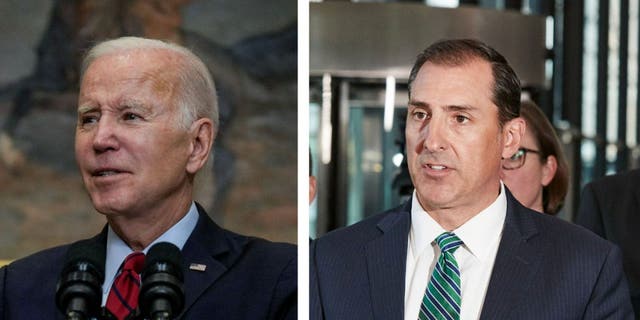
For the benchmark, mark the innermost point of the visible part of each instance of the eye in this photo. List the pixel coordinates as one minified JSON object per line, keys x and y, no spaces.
{"x":420,"y":115}
{"x":88,"y":119}
{"x":461,"y":119}
{"x":131,"y":116}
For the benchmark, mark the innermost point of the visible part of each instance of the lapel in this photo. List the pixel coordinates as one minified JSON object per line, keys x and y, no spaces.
{"x":386,"y":259}
{"x":205,"y":244}
{"x":516,"y":263}
{"x":99,"y":240}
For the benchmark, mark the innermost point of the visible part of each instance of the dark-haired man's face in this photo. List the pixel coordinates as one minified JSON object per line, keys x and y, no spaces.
{"x":454,"y":140}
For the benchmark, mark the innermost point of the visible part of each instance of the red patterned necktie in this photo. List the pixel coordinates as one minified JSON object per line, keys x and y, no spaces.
{"x":123,"y":297}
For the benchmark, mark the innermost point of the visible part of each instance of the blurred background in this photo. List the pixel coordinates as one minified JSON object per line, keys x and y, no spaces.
{"x":578,"y":60}
{"x":251,"y":49}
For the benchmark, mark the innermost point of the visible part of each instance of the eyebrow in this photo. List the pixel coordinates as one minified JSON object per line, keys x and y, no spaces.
{"x":466,"y":108}
{"x":422,"y":104}
{"x":86,"y":108}
{"x":125,"y":105}
{"x":132,"y":104}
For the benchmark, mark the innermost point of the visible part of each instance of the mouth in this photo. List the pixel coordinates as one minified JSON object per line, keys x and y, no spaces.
{"x":436,"y":170}
{"x":437,"y":167}
{"x":105,"y":172}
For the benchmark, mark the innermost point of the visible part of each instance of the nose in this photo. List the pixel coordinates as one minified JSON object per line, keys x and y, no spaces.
{"x":105,"y":137}
{"x":435,"y":135}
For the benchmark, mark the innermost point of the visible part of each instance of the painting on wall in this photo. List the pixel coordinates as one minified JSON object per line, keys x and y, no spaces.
{"x":251,"y":50}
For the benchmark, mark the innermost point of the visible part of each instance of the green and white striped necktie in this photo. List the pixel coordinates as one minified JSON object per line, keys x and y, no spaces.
{"x":442,"y":298}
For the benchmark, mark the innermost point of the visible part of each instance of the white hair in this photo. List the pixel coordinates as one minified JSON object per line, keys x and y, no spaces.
{"x":197,"y":93}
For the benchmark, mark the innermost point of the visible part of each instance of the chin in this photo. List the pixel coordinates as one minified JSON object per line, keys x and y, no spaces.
{"x":436,"y":199}
{"x":109,"y":206}
{"x":106,"y":210}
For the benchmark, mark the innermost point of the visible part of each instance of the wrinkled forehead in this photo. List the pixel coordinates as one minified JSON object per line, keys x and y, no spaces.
{"x":473,"y":78}
{"x":155,"y":68}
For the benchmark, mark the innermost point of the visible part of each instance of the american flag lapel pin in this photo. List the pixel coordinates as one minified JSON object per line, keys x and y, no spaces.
{"x":197,"y":267}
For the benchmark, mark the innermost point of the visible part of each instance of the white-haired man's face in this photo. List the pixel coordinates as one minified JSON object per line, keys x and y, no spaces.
{"x":130,"y":150}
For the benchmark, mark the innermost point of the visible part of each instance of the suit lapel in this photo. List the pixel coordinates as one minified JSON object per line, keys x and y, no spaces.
{"x":386,"y":259}
{"x":200,"y":264}
{"x":517,"y":262}
{"x":205,"y":244}
{"x":196,"y":280}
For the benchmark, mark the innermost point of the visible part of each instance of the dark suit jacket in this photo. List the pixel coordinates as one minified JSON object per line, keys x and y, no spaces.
{"x":610,"y":207}
{"x":245,"y":278}
{"x":545,"y":268}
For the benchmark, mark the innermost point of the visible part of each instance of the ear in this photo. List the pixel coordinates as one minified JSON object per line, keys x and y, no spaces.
{"x":201,"y":137}
{"x":549,"y":170}
{"x":512,"y":133}
{"x":312,"y":188}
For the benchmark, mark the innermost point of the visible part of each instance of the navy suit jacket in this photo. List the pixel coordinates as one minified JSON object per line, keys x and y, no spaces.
{"x":610,"y":207}
{"x":545,"y":268}
{"x":245,"y":278}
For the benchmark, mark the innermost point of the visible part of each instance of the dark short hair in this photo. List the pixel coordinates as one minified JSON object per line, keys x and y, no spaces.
{"x":549,"y":145}
{"x":456,"y":52}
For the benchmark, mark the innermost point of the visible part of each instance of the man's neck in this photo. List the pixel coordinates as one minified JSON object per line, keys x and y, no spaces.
{"x":140,"y":230}
{"x":451,"y":218}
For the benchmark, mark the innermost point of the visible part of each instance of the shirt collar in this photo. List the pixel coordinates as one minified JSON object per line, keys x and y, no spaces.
{"x":485,"y":228}
{"x":117,"y":249}
{"x":477,"y":233}
{"x":423,"y":228}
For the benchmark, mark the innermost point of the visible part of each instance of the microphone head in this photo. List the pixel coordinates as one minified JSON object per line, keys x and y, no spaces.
{"x":86,"y":254}
{"x":164,"y":257}
{"x":162,"y":290}
{"x":79,"y":289}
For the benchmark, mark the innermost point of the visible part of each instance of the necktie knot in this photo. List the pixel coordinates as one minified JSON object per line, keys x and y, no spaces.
{"x":448,"y":242}
{"x":134,"y":262}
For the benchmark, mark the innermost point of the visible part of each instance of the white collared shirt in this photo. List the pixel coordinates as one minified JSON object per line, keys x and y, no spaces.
{"x":481,"y":236}
{"x":117,"y":249}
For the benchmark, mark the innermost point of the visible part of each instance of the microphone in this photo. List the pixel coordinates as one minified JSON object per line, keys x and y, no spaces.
{"x":79,"y":289}
{"x":162,"y":292}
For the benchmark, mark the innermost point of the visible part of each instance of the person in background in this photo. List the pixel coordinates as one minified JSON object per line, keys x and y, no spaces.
{"x":610,"y":207}
{"x":312,"y":180}
{"x":147,"y":120}
{"x":538,"y":173}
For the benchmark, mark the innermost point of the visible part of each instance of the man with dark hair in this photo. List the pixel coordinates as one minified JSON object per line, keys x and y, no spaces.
{"x":463,"y":247}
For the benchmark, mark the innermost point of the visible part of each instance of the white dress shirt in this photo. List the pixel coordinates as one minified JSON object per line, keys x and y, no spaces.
{"x":117,"y":249}
{"x":481,"y":236}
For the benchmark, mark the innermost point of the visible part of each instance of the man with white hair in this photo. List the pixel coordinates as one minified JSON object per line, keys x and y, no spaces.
{"x":147,"y":119}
